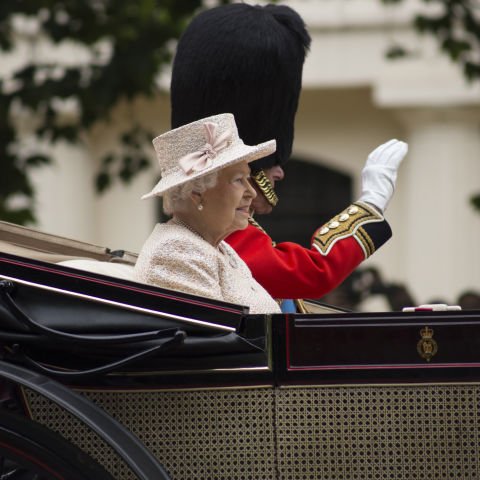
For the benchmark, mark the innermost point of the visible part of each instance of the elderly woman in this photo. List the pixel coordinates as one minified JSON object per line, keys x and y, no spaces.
{"x":205,"y":187}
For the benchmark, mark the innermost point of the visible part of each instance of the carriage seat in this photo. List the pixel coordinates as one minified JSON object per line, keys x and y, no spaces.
{"x":112,"y":269}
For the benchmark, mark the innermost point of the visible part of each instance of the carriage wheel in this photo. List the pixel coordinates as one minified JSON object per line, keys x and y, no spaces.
{"x":30,"y":451}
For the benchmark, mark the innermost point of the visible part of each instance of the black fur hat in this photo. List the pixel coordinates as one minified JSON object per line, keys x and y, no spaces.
{"x":246,"y":60}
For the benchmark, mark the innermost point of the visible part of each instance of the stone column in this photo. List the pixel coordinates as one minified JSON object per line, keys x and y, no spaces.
{"x":65,"y":197}
{"x":441,"y":237}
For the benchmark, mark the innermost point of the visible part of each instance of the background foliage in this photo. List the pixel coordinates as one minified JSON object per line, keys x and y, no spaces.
{"x":136,"y":36}
{"x":456,"y":26}
{"x":129,"y":43}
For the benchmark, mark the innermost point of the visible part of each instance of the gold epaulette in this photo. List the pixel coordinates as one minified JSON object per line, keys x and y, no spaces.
{"x":348,"y":223}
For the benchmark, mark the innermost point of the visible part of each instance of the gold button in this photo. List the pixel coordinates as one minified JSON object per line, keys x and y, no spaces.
{"x":333,"y":224}
{"x":344,"y":217}
{"x":324,"y":230}
{"x":353,"y":210}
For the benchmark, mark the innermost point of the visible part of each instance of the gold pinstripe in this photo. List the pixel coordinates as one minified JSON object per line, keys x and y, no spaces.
{"x":366,"y":241}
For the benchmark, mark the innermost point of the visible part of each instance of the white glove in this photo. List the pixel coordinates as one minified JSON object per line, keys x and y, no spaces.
{"x":380,"y":173}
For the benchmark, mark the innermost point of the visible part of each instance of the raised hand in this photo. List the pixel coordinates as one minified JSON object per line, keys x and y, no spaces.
{"x":380,"y":173}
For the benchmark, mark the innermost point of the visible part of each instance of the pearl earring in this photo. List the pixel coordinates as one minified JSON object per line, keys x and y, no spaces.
{"x":200,"y":207}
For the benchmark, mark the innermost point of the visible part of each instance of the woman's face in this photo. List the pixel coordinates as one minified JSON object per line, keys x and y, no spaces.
{"x":226,"y":206}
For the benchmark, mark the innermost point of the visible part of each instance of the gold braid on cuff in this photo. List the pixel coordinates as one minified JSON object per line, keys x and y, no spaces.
{"x":265,"y":187}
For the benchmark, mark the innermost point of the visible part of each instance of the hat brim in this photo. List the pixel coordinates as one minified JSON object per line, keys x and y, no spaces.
{"x":230,"y":156}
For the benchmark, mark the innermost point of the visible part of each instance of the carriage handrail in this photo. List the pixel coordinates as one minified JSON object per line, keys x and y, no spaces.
{"x":6,"y":287}
{"x":18,"y":355}
{"x":156,"y":313}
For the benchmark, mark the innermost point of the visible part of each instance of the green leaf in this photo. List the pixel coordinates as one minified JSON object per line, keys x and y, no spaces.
{"x":472,"y":71}
{"x":37,"y":160}
{"x":396,"y":51}
{"x":22,"y":216}
{"x":102,"y":182}
{"x":475,"y":201}
{"x":126,"y":172}
{"x":107,"y":160}
{"x":455,"y":48}
{"x":143,"y":164}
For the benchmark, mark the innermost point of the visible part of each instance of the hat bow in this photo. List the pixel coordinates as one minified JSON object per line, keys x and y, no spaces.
{"x":203,"y":158}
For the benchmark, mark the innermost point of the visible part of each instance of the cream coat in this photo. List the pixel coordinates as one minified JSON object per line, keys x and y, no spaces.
{"x":175,"y":258}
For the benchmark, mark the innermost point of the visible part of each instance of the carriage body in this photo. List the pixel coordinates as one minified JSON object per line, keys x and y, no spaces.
{"x":139,"y":378}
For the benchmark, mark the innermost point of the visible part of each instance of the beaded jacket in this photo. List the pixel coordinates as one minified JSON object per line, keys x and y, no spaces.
{"x":176,"y":258}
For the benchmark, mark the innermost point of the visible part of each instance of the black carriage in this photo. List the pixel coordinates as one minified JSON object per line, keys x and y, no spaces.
{"x":102,"y":377}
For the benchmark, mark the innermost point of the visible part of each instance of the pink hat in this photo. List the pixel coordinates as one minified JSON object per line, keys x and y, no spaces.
{"x":202,"y":147}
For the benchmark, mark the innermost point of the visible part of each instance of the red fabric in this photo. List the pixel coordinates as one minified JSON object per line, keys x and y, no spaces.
{"x":289,"y":270}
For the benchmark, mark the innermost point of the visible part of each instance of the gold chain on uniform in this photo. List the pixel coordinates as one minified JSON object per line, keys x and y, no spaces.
{"x":265,"y":187}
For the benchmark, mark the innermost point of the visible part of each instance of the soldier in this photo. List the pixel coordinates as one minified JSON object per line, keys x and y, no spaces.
{"x":248,"y":60}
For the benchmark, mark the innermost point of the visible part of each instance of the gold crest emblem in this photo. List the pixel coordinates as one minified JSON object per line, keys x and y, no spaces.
{"x":427,"y":347}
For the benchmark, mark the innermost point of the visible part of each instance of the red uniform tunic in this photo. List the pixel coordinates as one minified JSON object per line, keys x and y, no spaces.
{"x":288,"y":270}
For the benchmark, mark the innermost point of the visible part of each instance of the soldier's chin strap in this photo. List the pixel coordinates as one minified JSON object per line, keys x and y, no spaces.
{"x":265,"y":187}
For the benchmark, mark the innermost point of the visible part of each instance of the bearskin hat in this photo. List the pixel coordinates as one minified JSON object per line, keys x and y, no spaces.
{"x":246,"y":60}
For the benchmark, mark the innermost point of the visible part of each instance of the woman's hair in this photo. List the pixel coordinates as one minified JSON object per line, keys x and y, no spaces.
{"x":176,"y":198}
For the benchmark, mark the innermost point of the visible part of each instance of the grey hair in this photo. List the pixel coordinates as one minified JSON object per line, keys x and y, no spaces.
{"x":176,"y":198}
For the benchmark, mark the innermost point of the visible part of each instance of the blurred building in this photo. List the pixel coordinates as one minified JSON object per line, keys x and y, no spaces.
{"x":353,"y":99}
